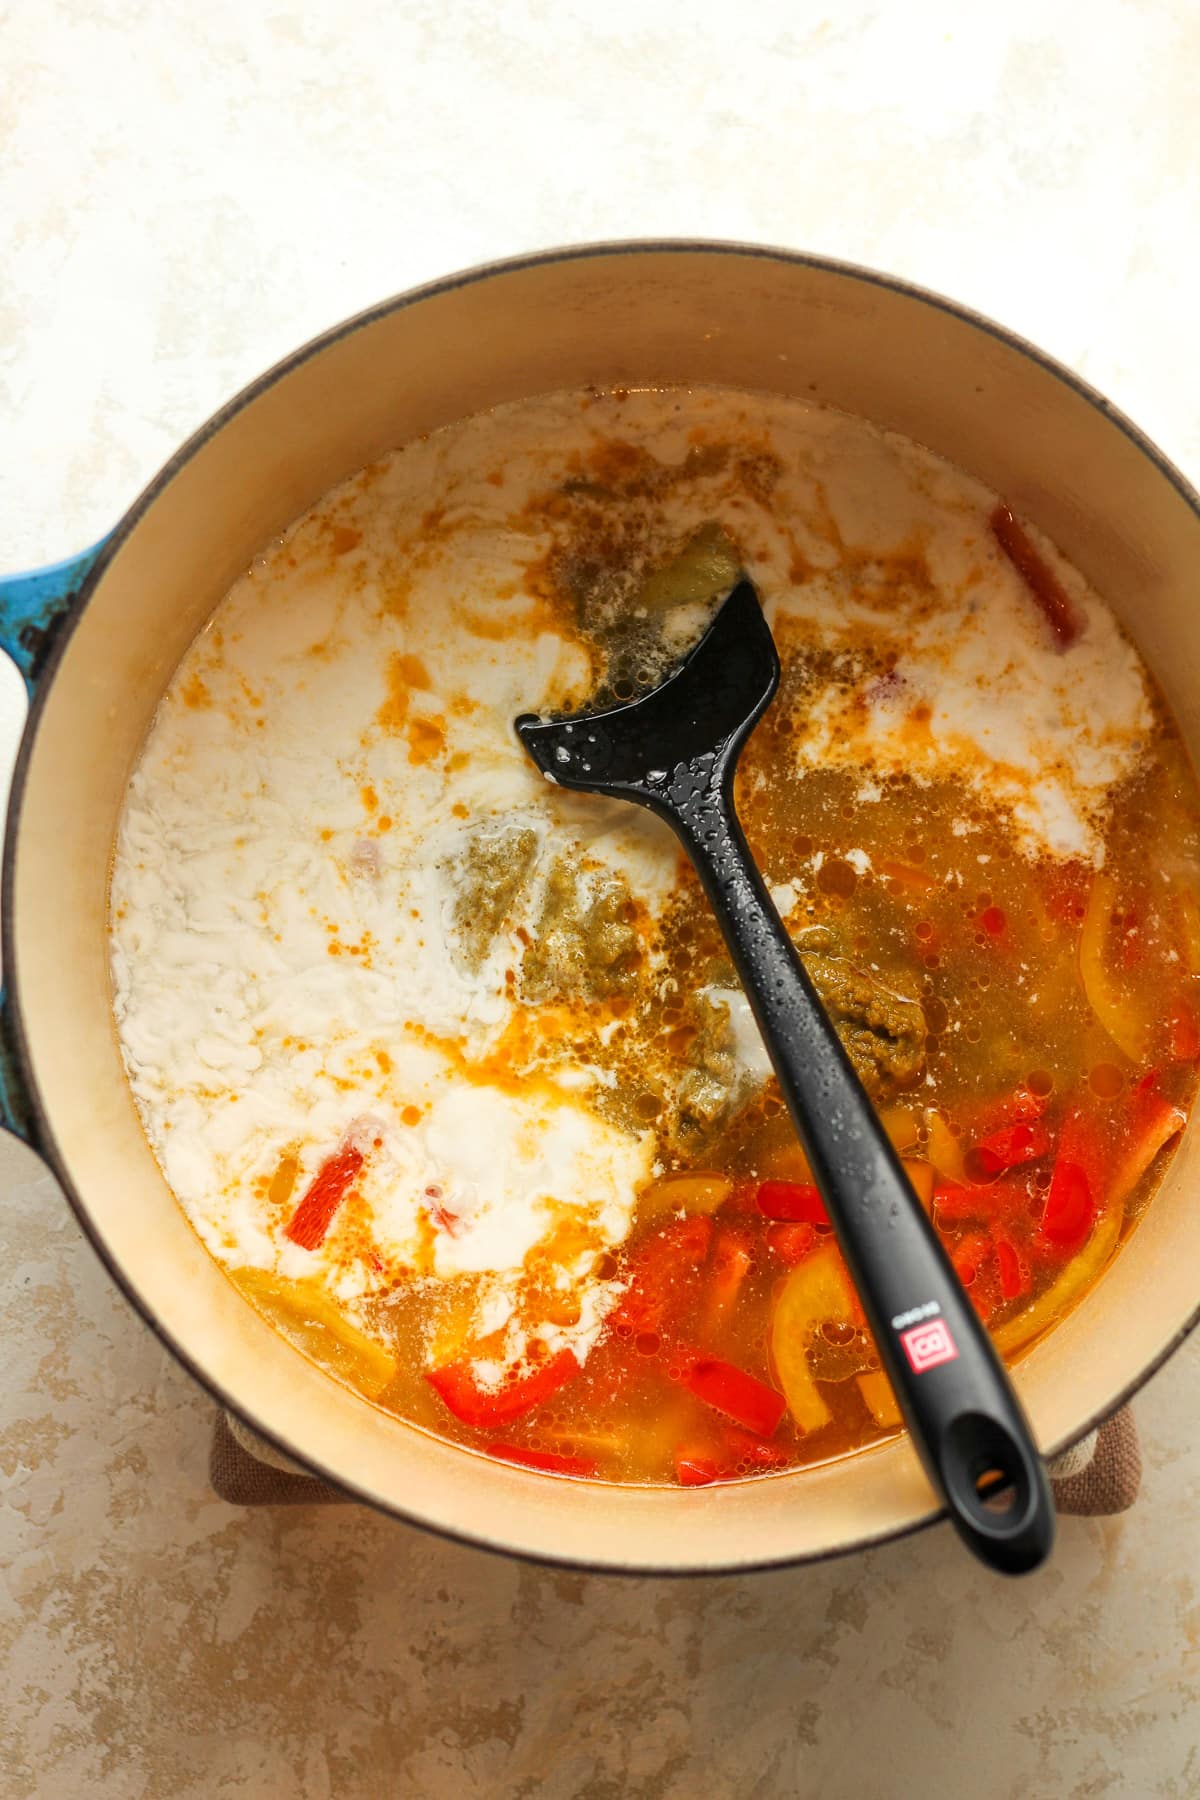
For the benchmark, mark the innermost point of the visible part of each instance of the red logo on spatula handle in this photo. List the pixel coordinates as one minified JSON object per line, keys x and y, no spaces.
{"x":928,"y":1345}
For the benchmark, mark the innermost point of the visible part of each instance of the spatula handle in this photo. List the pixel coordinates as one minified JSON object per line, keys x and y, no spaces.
{"x":965,"y":1419}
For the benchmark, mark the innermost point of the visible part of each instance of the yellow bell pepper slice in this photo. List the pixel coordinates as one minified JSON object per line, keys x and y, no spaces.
{"x":901,"y":1127}
{"x":1112,"y":1008}
{"x":876,"y":1390}
{"x":944,"y":1151}
{"x":818,"y":1289}
{"x":304,"y":1314}
{"x":697,"y":1192}
{"x":1078,"y":1275}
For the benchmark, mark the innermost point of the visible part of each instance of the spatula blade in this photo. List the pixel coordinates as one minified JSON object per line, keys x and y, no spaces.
{"x":716,"y":695}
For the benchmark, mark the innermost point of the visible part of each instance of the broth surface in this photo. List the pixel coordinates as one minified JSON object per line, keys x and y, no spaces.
{"x":449,"y":1068}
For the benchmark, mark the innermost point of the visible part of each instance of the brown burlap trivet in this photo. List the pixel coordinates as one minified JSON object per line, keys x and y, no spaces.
{"x":1101,"y":1475}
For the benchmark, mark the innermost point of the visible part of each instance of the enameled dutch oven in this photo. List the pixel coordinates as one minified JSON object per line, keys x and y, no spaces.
{"x":98,"y":638}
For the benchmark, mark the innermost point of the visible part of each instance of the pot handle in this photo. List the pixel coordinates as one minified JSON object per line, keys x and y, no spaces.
{"x":16,"y":1110}
{"x":34,"y":607}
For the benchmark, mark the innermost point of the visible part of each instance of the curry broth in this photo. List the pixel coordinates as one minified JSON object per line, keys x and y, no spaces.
{"x":1026,"y":1023}
{"x":988,"y":942}
{"x":932,"y":901}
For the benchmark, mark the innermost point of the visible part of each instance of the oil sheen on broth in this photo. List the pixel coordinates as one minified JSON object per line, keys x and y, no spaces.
{"x":448,"y":1067}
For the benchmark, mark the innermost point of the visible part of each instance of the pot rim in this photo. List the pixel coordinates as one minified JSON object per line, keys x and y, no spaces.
{"x":44,"y":1143}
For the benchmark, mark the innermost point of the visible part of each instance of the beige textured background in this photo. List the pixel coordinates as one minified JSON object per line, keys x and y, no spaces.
{"x":186,"y":192}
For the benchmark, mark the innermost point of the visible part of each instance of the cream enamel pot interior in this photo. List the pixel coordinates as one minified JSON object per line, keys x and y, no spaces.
{"x":98,"y":656}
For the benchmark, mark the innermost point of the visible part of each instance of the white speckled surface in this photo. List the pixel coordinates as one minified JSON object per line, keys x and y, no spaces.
{"x":186,"y":192}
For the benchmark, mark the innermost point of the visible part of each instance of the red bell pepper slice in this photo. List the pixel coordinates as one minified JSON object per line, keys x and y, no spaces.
{"x":548,"y":1461}
{"x":701,"y":1461}
{"x":953,"y":1201}
{"x":792,"y":1241}
{"x":1013,"y":1280}
{"x":1038,"y":577}
{"x":1153,"y":1122}
{"x":741,"y":1447}
{"x":732,"y":1260}
{"x":694,"y":1469}
{"x":459,"y":1387}
{"x":1070,"y":1206}
{"x":1078,"y":1186}
{"x":664,"y":1275}
{"x":797,"y":1201}
{"x":1012,"y":1145}
{"x":328,"y":1188}
{"x":742,"y":1397}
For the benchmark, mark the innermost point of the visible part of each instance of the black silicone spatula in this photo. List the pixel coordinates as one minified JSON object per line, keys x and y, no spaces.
{"x":675,"y":751}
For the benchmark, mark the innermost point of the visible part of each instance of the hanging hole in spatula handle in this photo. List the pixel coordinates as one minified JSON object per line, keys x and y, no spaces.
{"x":997,"y":1491}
